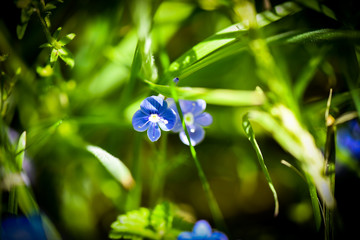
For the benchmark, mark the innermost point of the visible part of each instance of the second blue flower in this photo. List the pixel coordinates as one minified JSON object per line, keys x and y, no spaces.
{"x":195,"y":119}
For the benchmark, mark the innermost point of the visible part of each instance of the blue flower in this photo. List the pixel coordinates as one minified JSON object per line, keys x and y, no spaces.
{"x":348,"y":137}
{"x":202,"y":231}
{"x":195,"y":119}
{"x":154,"y":114}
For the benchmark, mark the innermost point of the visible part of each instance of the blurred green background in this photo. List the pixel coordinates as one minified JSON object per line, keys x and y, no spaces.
{"x":93,"y":103}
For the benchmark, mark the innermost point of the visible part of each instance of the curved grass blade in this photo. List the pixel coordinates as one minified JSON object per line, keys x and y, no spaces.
{"x":325,"y":35}
{"x":313,"y":193}
{"x":112,"y":164}
{"x":251,"y":136}
{"x":224,"y":97}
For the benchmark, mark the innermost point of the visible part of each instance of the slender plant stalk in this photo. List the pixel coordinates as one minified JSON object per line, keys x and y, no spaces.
{"x":159,"y":173}
{"x":134,"y":197}
{"x":329,"y":169}
{"x":213,"y":205}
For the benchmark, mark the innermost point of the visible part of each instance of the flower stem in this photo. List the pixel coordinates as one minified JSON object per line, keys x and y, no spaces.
{"x":48,"y":36}
{"x":213,"y":205}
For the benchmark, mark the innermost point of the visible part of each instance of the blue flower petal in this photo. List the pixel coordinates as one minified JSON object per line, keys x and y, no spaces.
{"x":195,"y":107}
{"x":218,"y":236}
{"x":202,"y":229}
{"x":185,"y":236}
{"x":140,"y":121}
{"x":152,"y":104}
{"x":168,"y":119}
{"x":197,"y":134}
{"x":204,"y":119}
{"x":154,"y":132}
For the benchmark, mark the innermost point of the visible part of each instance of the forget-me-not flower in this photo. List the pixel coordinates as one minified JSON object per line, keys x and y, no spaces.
{"x":202,"y":231}
{"x":153,"y":115}
{"x":348,"y":137}
{"x":195,"y":119}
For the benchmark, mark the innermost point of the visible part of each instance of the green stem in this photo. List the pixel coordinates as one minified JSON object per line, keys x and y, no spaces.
{"x":13,"y":208}
{"x":213,"y":205}
{"x":134,"y":197}
{"x":159,"y":173}
{"x":48,"y":36}
{"x":330,"y":172}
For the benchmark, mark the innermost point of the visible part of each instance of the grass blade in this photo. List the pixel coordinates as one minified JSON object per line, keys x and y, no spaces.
{"x":113,"y":165}
{"x":225,"y":97}
{"x":251,"y":136}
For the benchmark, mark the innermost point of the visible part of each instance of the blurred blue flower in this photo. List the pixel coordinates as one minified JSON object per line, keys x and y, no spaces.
{"x":195,"y":119}
{"x":202,"y":231}
{"x":348,"y":137}
{"x":20,"y":228}
{"x":154,"y":114}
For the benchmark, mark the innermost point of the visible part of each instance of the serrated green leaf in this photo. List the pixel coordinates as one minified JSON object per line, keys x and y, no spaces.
{"x":224,"y":97}
{"x":251,"y":136}
{"x":20,"y":30}
{"x":54,"y":55}
{"x":65,"y":40}
{"x":66,"y":56}
{"x":134,"y":224}
{"x":113,"y":165}
{"x":161,"y":217}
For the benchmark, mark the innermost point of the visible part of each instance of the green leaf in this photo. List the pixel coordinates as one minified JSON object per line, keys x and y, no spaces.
{"x":46,"y":71}
{"x":161,"y":217}
{"x":308,"y":72}
{"x":224,"y":97}
{"x":54,"y":55}
{"x":149,"y":224}
{"x":49,"y":6}
{"x":20,"y":151}
{"x":251,"y":136}
{"x":57,"y":32}
{"x":65,"y":40}
{"x":134,"y":224}
{"x":225,"y":42}
{"x":113,"y":165}
{"x":290,"y":134}
{"x":44,"y":45}
{"x":66,"y":56}
{"x":20,"y":30}
{"x":325,"y":35}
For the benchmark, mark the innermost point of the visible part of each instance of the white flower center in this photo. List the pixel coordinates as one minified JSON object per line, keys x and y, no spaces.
{"x":189,"y":118}
{"x":154,"y":118}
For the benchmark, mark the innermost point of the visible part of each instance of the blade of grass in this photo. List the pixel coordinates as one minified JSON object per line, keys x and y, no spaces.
{"x":308,"y":72}
{"x":313,"y":193}
{"x":329,"y":169}
{"x":251,"y":137}
{"x":113,"y":165}
{"x":225,"y":97}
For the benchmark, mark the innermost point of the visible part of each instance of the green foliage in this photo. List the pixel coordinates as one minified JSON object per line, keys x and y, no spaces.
{"x":265,"y":67}
{"x":249,"y":132}
{"x":145,"y":223}
{"x":113,"y":165}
